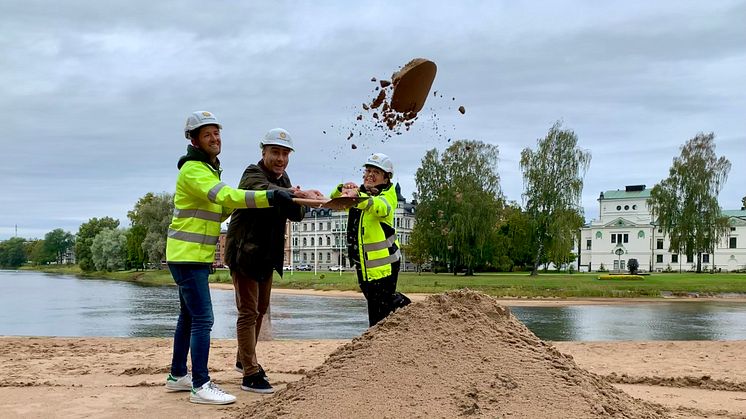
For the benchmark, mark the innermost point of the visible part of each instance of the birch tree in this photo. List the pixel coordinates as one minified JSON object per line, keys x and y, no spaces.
{"x":685,"y":204}
{"x":553,"y":182}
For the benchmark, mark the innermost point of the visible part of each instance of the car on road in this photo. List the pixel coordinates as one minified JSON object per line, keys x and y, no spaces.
{"x":336,"y":268}
{"x":303,"y":268}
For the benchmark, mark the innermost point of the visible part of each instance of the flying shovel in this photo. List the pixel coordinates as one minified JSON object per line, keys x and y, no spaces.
{"x":338,"y":203}
{"x":412,"y":85}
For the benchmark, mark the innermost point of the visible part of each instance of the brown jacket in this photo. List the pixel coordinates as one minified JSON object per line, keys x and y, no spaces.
{"x":255,"y":244}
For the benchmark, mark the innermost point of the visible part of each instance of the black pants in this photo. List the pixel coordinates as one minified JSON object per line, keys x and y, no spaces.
{"x":381,"y":295}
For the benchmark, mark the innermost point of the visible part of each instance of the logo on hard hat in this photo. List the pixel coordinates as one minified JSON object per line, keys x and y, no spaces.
{"x":282,"y":135}
{"x":374,"y":157}
{"x":206,"y":114}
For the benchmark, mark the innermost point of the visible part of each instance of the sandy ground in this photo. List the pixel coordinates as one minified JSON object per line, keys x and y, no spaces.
{"x":123,"y":377}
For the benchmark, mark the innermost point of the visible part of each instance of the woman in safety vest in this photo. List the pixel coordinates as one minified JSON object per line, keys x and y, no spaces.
{"x":372,"y":244}
{"x":201,"y":203}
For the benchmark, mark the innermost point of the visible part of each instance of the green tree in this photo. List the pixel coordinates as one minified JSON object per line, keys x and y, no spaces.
{"x":86,"y":233}
{"x":685,"y":204}
{"x":743,"y":203}
{"x":459,"y":203}
{"x":416,"y":253}
{"x":153,"y":213}
{"x":553,"y":181}
{"x":57,"y":242}
{"x":38,"y":253}
{"x":13,"y":253}
{"x":515,"y":238}
{"x":109,"y":250}
{"x":135,"y":254}
{"x":564,"y":229}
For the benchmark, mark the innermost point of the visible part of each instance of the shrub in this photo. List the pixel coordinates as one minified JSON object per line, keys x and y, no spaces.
{"x":602,"y":268}
{"x":633,"y":265}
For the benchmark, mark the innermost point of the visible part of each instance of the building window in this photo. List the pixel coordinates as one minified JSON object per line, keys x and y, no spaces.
{"x":732,"y":243}
{"x":626,"y":207}
{"x":705,"y":258}
{"x":328,"y":225}
{"x":588,"y":245}
{"x":599,"y":234}
{"x":616,"y":265}
{"x":634,"y":207}
{"x":674,"y":258}
{"x":328,"y":257}
{"x":626,"y":238}
{"x":732,"y":229}
{"x":312,"y":256}
{"x":618,"y":207}
{"x":688,"y":258}
{"x":658,"y":258}
{"x":640,"y":234}
{"x":304,"y":244}
{"x":328,"y":241}
{"x":313,"y":241}
{"x":659,"y":244}
{"x":613,"y":238}
{"x":305,"y":227}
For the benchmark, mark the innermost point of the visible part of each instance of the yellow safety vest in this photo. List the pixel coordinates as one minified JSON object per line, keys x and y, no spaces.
{"x":377,"y":250}
{"x":201,"y":203}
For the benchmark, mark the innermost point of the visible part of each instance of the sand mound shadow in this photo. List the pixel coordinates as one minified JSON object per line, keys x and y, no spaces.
{"x":454,"y":354}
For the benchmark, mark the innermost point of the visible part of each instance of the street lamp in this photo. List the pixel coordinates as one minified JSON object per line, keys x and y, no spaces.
{"x":619,"y":252}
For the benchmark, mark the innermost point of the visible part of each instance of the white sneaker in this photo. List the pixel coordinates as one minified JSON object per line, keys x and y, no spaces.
{"x":210,"y":393}
{"x":179,"y":383}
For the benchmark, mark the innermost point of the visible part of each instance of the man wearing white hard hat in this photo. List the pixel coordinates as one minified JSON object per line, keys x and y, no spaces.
{"x":255,"y":248}
{"x":201,"y":203}
{"x":372,"y":243}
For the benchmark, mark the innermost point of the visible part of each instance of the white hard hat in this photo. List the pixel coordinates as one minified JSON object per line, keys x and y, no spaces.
{"x":277,"y":136}
{"x":380,"y":161}
{"x":198,"y":119}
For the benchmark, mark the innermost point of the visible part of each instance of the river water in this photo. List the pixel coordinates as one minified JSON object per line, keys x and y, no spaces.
{"x":38,"y":304}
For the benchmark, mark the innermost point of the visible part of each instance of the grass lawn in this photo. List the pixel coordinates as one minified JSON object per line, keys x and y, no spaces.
{"x":496,"y":284}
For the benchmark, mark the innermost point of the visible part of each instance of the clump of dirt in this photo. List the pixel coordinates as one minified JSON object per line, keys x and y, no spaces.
{"x":454,"y":354}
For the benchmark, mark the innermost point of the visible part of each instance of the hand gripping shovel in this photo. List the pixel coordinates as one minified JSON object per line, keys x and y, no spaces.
{"x":338,"y":203}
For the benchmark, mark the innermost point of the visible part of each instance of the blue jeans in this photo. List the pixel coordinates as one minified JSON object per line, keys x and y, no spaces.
{"x":195,"y":322}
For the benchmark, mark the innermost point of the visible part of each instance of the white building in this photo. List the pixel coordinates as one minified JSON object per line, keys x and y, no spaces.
{"x":320,"y":240}
{"x":625,"y":229}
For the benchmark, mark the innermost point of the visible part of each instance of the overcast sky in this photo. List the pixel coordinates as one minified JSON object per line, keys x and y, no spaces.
{"x":95,"y":93}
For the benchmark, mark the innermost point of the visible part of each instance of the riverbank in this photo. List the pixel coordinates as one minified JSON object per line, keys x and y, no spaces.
{"x":500,"y":285}
{"x":124,"y":377}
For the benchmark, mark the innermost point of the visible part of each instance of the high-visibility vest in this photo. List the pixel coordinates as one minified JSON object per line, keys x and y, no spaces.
{"x":377,"y":244}
{"x":201,"y":203}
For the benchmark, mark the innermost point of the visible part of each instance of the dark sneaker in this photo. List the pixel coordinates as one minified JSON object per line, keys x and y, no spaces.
{"x":239,"y":368}
{"x":257,"y":383}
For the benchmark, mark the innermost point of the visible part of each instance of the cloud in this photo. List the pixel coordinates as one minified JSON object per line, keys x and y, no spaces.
{"x":96,"y":94}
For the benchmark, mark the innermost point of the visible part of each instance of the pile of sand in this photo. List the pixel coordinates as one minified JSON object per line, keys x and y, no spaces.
{"x":454,"y":354}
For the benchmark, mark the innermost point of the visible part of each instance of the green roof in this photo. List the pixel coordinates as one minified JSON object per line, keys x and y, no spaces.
{"x":621,"y":194}
{"x":734,"y":213}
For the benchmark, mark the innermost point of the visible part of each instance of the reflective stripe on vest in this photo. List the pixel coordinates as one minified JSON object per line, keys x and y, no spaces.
{"x":192,"y":237}
{"x":198,"y":213}
{"x":383,"y":261}
{"x":380,"y":245}
{"x":214,"y":191}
